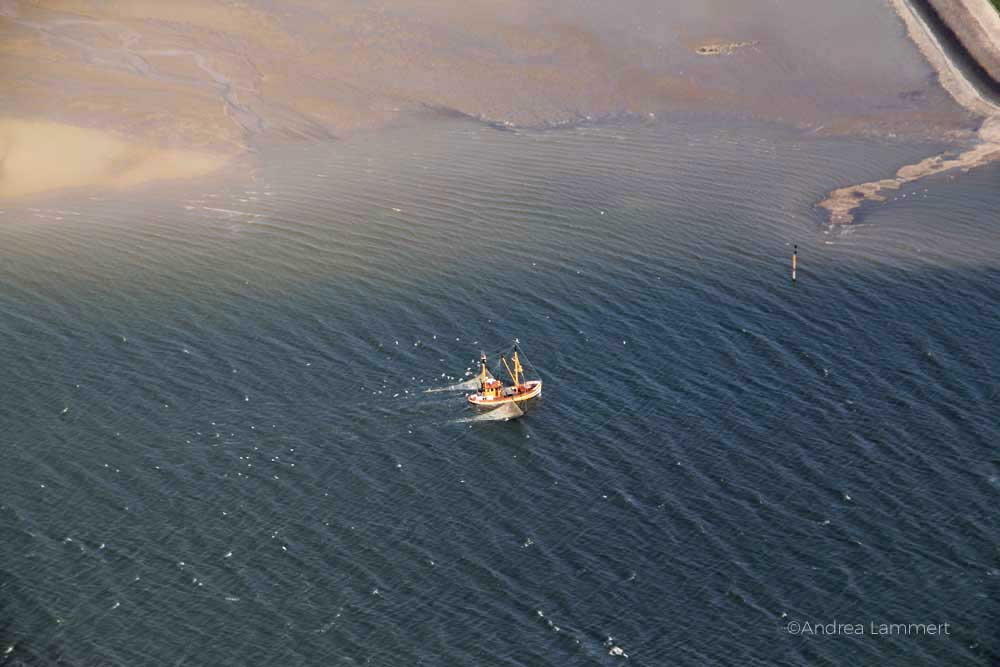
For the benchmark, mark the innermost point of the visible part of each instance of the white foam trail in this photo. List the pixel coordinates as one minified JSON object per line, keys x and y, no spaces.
{"x":461,"y":386}
{"x":503,"y":413}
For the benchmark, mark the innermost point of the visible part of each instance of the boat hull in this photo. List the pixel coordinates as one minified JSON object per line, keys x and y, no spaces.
{"x":533,"y":389}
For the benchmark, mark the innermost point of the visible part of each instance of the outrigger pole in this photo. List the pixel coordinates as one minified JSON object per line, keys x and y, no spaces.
{"x":518,"y":371}
{"x":512,"y":374}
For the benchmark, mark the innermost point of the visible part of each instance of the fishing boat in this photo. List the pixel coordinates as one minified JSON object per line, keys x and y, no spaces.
{"x":493,"y":392}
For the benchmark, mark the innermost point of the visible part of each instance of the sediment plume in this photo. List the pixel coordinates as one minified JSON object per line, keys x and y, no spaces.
{"x":842,"y":202}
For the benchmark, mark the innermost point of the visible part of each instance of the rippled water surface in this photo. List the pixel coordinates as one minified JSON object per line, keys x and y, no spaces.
{"x":219,"y":447}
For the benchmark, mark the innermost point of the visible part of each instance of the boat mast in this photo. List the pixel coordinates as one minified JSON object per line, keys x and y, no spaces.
{"x":482,"y":373}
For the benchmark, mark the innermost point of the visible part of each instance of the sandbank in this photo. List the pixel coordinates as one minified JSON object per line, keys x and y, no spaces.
{"x":38,"y":156}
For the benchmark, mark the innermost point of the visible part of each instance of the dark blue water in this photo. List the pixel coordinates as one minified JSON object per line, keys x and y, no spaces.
{"x":219,"y":447}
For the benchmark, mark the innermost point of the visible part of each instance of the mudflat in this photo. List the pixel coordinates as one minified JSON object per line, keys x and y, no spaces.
{"x":177,"y":88}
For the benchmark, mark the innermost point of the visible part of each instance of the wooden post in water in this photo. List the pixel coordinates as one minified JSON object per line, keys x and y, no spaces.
{"x":795,"y":261}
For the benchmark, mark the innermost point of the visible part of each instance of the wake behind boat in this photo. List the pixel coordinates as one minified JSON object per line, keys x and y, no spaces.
{"x":493,"y":392}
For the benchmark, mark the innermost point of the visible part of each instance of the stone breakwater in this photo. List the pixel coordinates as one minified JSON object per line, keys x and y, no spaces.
{"x":969,"y":76}
{"x":976,"y":24}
